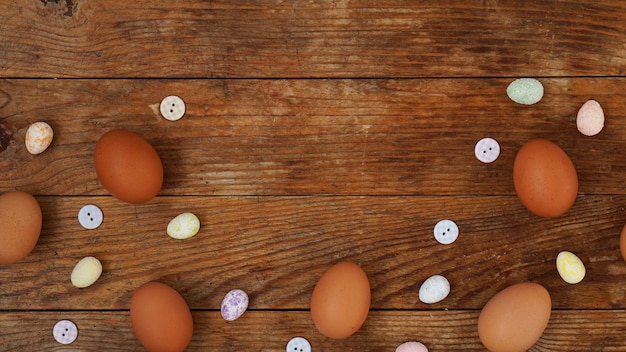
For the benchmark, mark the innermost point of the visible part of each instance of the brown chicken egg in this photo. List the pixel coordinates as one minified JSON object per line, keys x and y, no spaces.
{"x":515,"y":318}
{"x":545,"y":179}
{"x":161,"y":318}
{"x":128,"y":166}
{"x":20,"y":225}
{"x":622,"y":242}
{"x":341,"y":300}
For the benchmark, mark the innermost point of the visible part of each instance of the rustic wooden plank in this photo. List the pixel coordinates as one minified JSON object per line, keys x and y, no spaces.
{"x":593,"y":330}
{"x":291,"y":173}
{"x":327,"y":38}
{"x":303,"y":137}
{"x":276,"y":248}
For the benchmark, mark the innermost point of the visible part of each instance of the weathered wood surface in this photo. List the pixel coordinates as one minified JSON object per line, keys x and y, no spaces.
{"x":277,"y":247}
{"x":316,"y":131}
{"x":327,"y":38}
{"x":587,"y":330}
{"x":286,"y":137}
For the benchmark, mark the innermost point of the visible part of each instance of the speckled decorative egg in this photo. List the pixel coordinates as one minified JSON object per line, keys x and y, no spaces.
{"x":570,"y":267}
{"x":234,"y":304}
{"x":38,"y":137}
{"x":86,"y":272}
{"x":590,"y":118}
{"x":412,"y":346}
{"x":183,"y":226}
{"x":525,"y":91}
{"x":434,"y":289}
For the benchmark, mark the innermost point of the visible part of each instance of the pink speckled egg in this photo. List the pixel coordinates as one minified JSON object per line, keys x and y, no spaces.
{"x":412,"y":346}
{"x":590,"y":118}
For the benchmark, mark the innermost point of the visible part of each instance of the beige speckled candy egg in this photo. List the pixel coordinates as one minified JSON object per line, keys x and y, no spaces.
{"x":86,"y":272}
{"x":570,"y":267}
{"x":38,"y":137}
{"x":183,"y":226}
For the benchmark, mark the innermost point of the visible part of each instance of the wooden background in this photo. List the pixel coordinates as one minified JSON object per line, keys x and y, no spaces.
{"x":316,"y":131}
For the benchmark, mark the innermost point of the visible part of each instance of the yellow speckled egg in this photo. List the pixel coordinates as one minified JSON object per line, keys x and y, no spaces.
{"x":570,"y":267}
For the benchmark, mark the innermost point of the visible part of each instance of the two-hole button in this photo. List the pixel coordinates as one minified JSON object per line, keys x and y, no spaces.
{"x":446,"y":231}
{"x":65,"y":332}
{"x":90,"y":216}
{"x":487,"y":150}
{"x":298,"y":344}
{"x":172,"y":108}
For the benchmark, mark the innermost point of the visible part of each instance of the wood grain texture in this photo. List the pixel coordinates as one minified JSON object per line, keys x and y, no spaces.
{"x":315,"y":131}
{"x":587,"y":330}
{"x":304,"y":137}
{"x":328,"y":38}
{"x":276,"y":248}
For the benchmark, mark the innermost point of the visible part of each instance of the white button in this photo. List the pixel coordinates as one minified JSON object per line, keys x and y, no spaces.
{"x":487,"y":150}
{"x":90,"y":216}
{"x":298,"y":344}
{"x":172,"y":108}
{"x":65,"y":332}
{"x":446,"y":231}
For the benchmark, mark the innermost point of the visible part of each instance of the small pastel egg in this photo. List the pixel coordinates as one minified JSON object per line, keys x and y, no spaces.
{"x":590,"y":118}
{"x":86,"y":272}
{"x":434,"y":289}
{"x":183,"y":226}
{"x":234,"y":304}
{"x":570,"y":267}
{"x":526,"y":91}
{"x":412,"y":346}
{"x":38,"y":137}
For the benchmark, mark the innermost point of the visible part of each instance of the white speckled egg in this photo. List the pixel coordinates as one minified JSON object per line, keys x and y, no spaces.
{"x":183,"y":226}
{"x":434,"y":289}
{"x":38,"y":137}
{"x":86,"y":272}
{"x":570,"y":267}
{"x":234,"y":304}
